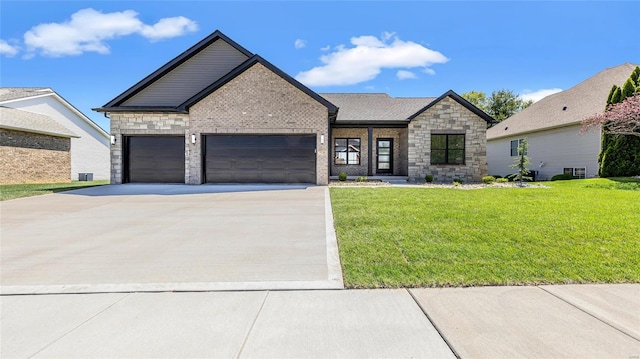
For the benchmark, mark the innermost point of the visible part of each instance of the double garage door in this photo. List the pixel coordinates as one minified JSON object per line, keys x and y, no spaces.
{"x":226,"y":159}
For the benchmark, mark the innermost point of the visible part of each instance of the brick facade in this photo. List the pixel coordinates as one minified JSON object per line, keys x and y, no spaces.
{"x":448,"y":116}
{"x":33,"y":158}
{"x":258,"y":101}
{"x":144,"y":123}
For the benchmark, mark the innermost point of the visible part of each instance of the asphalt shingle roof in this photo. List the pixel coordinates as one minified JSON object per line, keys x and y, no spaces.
{"x":13,"y":93}
{"x":375,"y":107}
{"x":585,"y":99}
{"x":32,"y":122}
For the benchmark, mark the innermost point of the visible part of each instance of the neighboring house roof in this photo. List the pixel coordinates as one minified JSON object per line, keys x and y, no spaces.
{"x":564,"y":108}
{"x":380,"y":108}
{"x":25,"y":121}
{"x":120,"y":103}
{"x":375,"y":107}
{"x":15,"y":94}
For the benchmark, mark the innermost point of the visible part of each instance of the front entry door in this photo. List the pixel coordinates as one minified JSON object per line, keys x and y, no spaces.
{"x":384,"y":155}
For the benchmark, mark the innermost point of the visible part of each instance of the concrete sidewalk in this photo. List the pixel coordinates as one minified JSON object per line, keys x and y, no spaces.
{"x":573,"y":321}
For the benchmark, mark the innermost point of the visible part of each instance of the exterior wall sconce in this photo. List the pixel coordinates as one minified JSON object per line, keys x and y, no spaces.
{"x":322,"y":139}
{"x":193,"y":139}
{"x":113,"y":139}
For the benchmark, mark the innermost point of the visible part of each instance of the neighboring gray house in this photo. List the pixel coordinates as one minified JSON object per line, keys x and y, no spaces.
{"x":33,"y":148}
{"x":89,"y":147}
{"x":219,"y":114}
{"x":552,"y":129}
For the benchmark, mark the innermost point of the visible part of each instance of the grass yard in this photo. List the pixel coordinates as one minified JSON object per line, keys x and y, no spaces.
{"x":580,"y":231}
{"x":12,"y":191}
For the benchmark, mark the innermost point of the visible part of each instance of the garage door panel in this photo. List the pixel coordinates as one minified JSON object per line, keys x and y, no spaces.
{"x":158,"y":159}
{"x":260,"y":158}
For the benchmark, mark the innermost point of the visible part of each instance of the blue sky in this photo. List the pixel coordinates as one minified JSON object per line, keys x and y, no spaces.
{"x":91,"y":51}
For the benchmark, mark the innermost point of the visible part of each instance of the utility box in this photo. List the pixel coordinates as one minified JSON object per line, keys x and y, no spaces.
{"x":85,"y":176}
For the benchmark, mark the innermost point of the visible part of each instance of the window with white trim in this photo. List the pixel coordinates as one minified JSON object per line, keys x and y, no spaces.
{"x":514,"y":147}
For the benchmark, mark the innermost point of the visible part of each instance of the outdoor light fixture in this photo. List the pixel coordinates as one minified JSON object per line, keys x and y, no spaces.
{"x":541,"y":164}
{"x":322,"y":139}
{"x":193,"y":138}
{"x":113,"y":139}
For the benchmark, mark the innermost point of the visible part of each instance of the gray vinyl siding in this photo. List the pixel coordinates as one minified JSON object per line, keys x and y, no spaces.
{"x":557,"y":149}
{"x":190,"y":77}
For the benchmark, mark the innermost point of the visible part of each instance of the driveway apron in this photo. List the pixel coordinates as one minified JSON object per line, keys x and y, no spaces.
{"x":169,"y":238}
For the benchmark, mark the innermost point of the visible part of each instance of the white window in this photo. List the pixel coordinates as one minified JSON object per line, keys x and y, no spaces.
{"x":514,"y":147}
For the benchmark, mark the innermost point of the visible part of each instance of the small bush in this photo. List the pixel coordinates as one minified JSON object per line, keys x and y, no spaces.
{"x":488,"y":179}
{"x":563,"y":177}
{"x":428,"y":178}
{"x":496,"y":176}
{"x":459,"y":181}
{"x":361,"y":179}
{"x":342,"y":177}
{"x":502,"y":180}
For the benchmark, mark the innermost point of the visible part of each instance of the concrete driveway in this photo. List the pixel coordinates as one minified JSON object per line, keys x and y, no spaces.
{"x":169,"y":238}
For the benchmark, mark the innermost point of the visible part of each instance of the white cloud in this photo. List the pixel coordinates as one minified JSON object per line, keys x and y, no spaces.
{"x":169,"y":27}
{"x":404,"y":74}
{"x":538,"y":95}
{"x":7,"y":50}
{"x":326,"y":48}
{"x":299,"y":43}
{"x":88,"y":29}
{"x":428,"y":71}
{"x":366,"y":59}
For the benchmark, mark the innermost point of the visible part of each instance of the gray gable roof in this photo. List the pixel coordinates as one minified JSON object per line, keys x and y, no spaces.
{"x":380,"y":108}
{"x":198,"y":53}
{"x":375,"y":107}
{"x":193,"y":91}
{"x":19,"y":120}
{"x":14,"y":93}
{"x":585,"y":99}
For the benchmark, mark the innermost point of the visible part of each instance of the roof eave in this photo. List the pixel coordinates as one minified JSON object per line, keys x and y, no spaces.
{"x":542,"y":129}
{"x":48,"y":133}
{"x":138,"y":109}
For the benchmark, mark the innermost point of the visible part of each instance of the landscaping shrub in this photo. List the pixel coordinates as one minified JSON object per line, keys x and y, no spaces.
{"x":488,"y":179}
{"x":342,"y":177}
{"x":563,"y":177}
{"x":428,"y":178}
{"x":496,"y":176}
{"x":502,"y":180}
{"x":361,"y":179}
{"x":458,"y":180}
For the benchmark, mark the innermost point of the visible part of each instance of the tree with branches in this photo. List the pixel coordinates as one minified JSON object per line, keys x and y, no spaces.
{"x":619,"y":119}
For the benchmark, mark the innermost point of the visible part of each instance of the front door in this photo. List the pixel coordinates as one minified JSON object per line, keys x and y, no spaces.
{"x":384,"y":155}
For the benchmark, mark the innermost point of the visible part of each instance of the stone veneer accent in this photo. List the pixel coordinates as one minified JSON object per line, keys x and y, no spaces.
{"x":34,"y":158}
{"x":258,"y":101}
{"x":145,"y":123}
{"x":448,"y":116}
{"x":399,"y":136}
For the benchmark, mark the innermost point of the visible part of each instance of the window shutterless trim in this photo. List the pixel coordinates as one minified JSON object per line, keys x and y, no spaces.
{"x":447,"y":150}
{"x":348,"y":150}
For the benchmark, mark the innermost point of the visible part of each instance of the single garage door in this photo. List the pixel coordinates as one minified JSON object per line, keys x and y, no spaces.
{"x":154,"y":159}
{"x":260,"y":159}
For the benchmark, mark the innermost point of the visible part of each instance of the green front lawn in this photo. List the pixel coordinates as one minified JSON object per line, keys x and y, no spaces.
{"x":11,"y":191}
{"x":579,"y":231}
